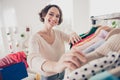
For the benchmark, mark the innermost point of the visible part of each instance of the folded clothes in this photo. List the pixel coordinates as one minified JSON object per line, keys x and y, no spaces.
{"x":13,"y":72}
{"x":13,"y":58}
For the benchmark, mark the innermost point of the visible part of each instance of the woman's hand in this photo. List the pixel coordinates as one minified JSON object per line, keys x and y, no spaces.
{"x":71,"y":60}
{"x":74,"y":38}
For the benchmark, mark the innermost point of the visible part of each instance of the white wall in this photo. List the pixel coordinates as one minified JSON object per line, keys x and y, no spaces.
{"x":26,"y":11}
{"x":1,"y":13}
{"x":80,"y":10}
{"x":76,"y":13}
{"x":19,"y":13}
{"x":101,"y":7}
{"x":81,"y":20}
{"x":1,"y":19}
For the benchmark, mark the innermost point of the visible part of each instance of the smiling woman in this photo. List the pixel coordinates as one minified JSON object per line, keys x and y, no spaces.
{"x":67,"y":14}
{"x":76,"y":15}
{"x":46,"y":47}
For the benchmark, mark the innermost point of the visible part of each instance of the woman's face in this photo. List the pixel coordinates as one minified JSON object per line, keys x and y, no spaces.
{"x":52,"y":17}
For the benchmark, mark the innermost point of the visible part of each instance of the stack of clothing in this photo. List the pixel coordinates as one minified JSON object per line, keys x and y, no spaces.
{"x":13,"y":66}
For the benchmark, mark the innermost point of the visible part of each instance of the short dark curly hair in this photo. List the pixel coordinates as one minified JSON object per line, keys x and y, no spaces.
{"x":44,"y":11}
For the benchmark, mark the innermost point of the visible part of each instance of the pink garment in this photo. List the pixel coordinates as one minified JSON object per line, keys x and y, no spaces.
{"x":13,"y":58}
{"x":82,"y":40}
{"x":100,"y":36}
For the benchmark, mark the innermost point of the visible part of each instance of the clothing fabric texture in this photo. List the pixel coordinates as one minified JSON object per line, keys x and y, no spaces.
{"x":104,"y":76}
{"x":41,"y":51}
{"x":84,"y":35}
{"x":83,"y":41}
{"x":102,"y":34}
{"x":115,"y":71}
{"x":93,"y":47}
{"x":112,"y":44}
{"x":98,"y":32}
{"x":92,"y":30}
{"x":110,"y":61}
{"x":112,"y":32}
{"x":13,"y":58}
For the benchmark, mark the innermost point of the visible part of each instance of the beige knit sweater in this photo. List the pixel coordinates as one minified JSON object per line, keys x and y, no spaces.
{"x":112,"y":44}
{"x":40,"y":51}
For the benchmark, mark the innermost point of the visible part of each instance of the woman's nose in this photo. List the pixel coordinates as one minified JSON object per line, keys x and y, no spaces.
{"x":54,"y":18}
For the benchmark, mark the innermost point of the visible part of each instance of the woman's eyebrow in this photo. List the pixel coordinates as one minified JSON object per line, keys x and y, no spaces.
{"x":53,"y":12}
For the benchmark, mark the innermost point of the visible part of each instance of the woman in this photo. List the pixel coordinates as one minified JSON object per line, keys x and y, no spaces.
{"x":47,"y":47}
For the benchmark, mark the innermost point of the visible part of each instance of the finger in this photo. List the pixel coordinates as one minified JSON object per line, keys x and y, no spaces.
{"x":79,"y":38}
{"x":73,"y":59}
{"x":76,"y":50}
{"x":80,"y":57}
{"x":75,"y":39}
{"x":72,"y":40}
{"x":70,"y":65}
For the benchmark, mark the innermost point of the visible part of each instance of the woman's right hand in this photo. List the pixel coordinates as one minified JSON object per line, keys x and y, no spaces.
{"x":72,"y":60}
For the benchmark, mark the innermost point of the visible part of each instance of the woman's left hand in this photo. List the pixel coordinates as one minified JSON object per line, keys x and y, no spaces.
{"x":74,"y":38}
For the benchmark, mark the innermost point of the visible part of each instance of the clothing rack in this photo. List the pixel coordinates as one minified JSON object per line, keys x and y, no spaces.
{"x":106,"y":17}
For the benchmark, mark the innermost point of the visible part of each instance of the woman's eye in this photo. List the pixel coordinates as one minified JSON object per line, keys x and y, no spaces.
{"x":51,"y":14}
{"x":58,"y":16}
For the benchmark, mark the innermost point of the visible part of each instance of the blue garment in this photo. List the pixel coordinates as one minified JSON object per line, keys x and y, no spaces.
{"x":13,"y":72}
{"x":104,"y":76}
{"x":94,"y":46}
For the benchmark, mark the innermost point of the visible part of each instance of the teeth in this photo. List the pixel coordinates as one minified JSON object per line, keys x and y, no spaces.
{"x":52,"y":22}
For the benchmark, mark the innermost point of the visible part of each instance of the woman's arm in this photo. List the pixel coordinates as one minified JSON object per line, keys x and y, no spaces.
{"x":73,"y":37}
{"x":71,"y":60}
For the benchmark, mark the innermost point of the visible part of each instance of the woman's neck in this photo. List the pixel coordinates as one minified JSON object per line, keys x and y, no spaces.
{"x":47,"y":30}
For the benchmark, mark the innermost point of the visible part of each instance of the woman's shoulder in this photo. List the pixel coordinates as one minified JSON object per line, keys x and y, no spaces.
{"x":35,"y":36}
{"x":57,"y":31}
